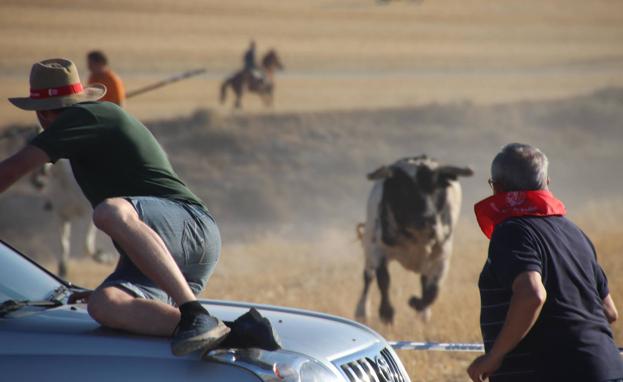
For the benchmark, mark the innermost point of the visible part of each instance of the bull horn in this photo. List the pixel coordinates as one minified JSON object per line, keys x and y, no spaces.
{"x":456,"y":171}
{"x":380,"y":173}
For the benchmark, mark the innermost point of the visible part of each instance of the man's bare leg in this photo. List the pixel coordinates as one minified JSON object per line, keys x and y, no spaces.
{"x":119,"y":310}
{"x":196,"y":328}
{"x":119,"y":220}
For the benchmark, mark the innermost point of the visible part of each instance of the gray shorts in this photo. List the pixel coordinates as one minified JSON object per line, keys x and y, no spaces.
{"x":192,"y":237}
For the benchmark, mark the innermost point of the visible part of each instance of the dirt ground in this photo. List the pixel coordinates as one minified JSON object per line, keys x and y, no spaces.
{"x":307,"y":275}
{"x":365,"y":83}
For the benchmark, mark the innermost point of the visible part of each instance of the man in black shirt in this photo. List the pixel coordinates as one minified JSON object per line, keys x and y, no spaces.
{"x":545,"y":304}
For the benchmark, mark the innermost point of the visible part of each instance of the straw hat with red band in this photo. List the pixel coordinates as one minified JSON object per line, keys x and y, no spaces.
{"x":55,"y":84}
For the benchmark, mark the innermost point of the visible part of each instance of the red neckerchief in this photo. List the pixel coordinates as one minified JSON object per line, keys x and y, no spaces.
{"x":499,"y":207}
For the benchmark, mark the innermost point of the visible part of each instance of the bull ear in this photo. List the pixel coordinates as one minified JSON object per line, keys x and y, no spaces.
{"x":380,"y":173}
{"x":455,"y":171}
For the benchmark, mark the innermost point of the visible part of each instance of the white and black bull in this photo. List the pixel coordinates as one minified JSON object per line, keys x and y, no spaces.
{"x":412,"y":211}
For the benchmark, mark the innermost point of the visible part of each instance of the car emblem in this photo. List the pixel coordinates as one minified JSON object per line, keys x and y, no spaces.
{"x":385,"y":372}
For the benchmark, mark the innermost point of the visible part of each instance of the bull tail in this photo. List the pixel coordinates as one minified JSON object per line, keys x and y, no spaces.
{"x":360,"y":230}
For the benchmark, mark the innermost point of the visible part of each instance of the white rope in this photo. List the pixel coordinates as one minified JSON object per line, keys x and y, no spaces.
{"x":441,"y":346}
{"x":436,"y":346}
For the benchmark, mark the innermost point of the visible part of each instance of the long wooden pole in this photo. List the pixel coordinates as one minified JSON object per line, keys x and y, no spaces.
{"x":165,"y":82}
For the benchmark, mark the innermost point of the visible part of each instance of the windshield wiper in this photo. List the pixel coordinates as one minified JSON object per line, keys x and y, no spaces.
{"x":12,"y":305}
{"x":53,"y":301}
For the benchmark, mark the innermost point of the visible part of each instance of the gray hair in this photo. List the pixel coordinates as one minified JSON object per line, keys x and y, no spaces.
{"x":520,"y":167}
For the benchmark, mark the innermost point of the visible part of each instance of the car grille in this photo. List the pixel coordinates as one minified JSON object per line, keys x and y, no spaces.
{"x":380,"y":367}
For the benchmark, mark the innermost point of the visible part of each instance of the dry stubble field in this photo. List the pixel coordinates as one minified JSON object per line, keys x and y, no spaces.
{"x":339,"y":54}
{"x":324,"y":275}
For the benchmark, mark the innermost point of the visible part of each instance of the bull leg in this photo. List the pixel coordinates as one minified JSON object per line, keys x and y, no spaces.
{"x":65,"y":248}
{"x":361,"y":313}
{"x":386,"y":311}
{"x":430,"y":291}
{"x":431,"y":282}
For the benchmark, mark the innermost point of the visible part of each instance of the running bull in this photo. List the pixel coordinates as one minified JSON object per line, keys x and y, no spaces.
{"x":412,"y":212}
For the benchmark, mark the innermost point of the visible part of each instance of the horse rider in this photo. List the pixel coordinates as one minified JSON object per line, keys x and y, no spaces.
{"x":255,"y":75}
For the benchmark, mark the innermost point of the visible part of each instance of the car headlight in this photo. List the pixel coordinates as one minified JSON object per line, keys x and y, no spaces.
{"x":303,"y":370}
{"x":276,"y":366}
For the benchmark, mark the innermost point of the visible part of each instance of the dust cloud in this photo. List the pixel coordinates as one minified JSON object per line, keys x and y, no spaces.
{"x":300,"y":175}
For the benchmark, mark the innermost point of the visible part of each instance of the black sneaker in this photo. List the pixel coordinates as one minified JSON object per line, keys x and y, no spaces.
{"x":202,"y":332}
{"x":252,"y":330}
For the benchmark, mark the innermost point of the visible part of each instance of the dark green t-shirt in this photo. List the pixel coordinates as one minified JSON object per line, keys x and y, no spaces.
{"x":111,"y":154}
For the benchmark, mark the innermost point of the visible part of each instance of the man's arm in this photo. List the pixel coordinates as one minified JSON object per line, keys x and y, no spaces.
{"x":120,"y":91}
{"x":525,"y":306}
{"x":610,"y":309}
{"x":20,"y":164}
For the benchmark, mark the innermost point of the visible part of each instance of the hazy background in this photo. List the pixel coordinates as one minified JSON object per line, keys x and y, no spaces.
{"x":365,"y":84}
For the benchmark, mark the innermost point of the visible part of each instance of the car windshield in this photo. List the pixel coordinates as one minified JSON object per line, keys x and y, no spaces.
{"x":22,"y":280}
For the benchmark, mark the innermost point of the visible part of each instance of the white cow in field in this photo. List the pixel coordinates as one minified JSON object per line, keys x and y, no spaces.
{"x":412,"y":211}
{"x":64,"y":199}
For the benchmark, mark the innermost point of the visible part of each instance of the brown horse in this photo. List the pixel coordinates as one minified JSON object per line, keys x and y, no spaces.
{"x":245,"y":80}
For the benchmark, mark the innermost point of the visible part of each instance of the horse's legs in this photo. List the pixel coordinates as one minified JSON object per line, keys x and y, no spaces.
{"x":65,"y":248}
{"x":239,"y":88}
{"x":386,"y":311}
{"x":269,"y":96}
{"x":224,"y":86}
{"x":238,"y":92}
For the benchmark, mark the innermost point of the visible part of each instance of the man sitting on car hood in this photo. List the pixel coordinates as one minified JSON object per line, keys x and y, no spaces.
{"x":168,"y":242}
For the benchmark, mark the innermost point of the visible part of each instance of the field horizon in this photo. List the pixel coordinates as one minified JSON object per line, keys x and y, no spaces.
{"x":341,"y":55}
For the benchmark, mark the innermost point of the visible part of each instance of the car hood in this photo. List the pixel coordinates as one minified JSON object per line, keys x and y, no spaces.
{"x":70,"y":330}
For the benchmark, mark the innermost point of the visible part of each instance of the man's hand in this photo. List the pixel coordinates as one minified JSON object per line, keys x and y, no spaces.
{"x":483,"y":367}
{"x":80,"y":297}
{"x":610,"y":309}
{"x":528,"y":298}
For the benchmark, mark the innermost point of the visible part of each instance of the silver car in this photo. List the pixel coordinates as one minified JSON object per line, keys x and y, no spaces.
{"x":42,"y":338}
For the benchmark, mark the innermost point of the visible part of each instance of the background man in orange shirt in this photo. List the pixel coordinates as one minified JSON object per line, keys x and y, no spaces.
{"x":102,"y":74}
